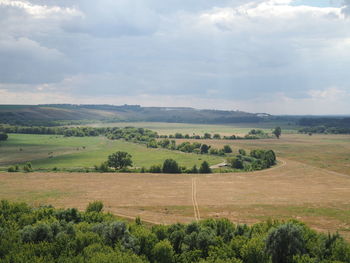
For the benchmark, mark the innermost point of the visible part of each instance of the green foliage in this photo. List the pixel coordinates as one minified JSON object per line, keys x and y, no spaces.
{"x":163,"y":252}
{"x":119,"y":160}
{"x":27,"y":167}
{"x":204,"y":148}
{"x":235,"y":162}
{"x":3,"y":136}
{"x":171,"y":166}
{"x":227,"y":149}
{"x":155,"y":168}
{"x":277,"y":132}
{"x":242,"y":152}
{"x":45,"y":234}
{"x":95,"y":206}
{"x":284,"y":242}
{"x":205,"y":168}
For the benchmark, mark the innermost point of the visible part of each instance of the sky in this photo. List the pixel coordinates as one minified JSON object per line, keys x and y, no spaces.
{"x":273,"y":56}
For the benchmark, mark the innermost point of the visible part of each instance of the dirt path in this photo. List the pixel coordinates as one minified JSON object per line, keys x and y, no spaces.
{"x":218,"y":165}
{"x":197,"y":215}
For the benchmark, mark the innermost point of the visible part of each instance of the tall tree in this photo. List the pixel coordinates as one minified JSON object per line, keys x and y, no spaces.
{"x":277,"y":132}
{"x":119,"y":160}
{"x":284,"y":242}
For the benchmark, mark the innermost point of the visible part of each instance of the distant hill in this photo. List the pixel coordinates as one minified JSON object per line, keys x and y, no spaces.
{"x":36,"y":114}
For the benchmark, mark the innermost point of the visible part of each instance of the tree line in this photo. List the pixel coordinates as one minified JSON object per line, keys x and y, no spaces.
{"x":257,"y":160}
{"x":325,"y":125}
{"x":46,"y":234}
{"x":127,"y":133}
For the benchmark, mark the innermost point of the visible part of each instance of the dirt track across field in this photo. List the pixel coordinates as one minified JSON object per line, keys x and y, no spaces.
{"x":290,"y":190}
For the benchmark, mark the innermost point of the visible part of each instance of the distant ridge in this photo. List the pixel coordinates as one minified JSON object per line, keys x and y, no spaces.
{"x":17,"y":114}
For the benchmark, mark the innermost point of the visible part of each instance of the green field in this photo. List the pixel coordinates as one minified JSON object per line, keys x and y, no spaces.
{"x":199,"y":129}
{"x":49,"y":151}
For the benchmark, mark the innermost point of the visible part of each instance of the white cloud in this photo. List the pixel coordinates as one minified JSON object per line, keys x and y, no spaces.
{"x":232,"y":54}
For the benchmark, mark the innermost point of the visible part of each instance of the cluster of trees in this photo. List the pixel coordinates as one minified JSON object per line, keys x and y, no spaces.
{"x":188,"y":147}
{"x":252,"y":135}
{"x":66,"y":131}
{"x":325,"y":125}
{"x":120,"y":161}
{"x":50,"y":235}
{"x":257,"y":160}
{"x":114,"y":133}
{"x":27,"y":167}
{"x":324,"y":130}
{"x":255,"y":134}
{"x":3,"y":136}
{"x":171,"y":166}
{"x":132,"y":134}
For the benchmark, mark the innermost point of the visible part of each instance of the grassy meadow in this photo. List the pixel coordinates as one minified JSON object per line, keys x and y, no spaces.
{"x":49,"y":151}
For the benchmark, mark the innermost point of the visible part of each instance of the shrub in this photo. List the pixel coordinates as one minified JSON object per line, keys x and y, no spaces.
{"x":95,"y":206}
{"x":11,"y":169}
{"x":28,"y":167}
{"x":242,"y":152}
{"x":205,"y":168}
{"x":155,"y":169}
{"x":227,"y":149}
{"x":3,"y":136}
{"x":236,"y":163}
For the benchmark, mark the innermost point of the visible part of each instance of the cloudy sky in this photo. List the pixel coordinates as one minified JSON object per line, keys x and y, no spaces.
{"x":275,"y":56}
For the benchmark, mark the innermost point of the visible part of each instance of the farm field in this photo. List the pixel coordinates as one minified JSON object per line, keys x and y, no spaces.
{"x":311,"y":182}
{"x":49,"y":151}
{"x":199,"y":129}
{"x":331,"y":152}
{"x":292,"y":190}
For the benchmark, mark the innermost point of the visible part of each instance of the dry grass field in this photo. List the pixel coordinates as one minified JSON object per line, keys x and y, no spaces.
{"x":311,"y":183}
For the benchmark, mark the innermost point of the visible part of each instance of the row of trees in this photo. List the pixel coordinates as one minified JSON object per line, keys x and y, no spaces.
{"x":120,"y":161}
{"x":127,"y":133}
{"x":188,"y":147}
{"x":51,"y":235}
{"x":252,"y":135}
{"x":324,"y":130}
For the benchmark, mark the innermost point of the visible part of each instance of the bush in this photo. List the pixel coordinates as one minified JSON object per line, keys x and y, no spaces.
{"x":155,"y":169}
{"x":27,"y":167}
{"x":3,"y":136}
{"x":171,"y":166}
{"x":95,"y":206}
{"x":205,"y":168}
{"x":236,"y":163}
{"x":227,"y":149}
{"x":242,"y":152}
{"x":11,"y":169}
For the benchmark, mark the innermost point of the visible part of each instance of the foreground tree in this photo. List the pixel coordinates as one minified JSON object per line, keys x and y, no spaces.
{"x":277,"y":132}
{"x":119,"y":160}
{"x":284,"y":242}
